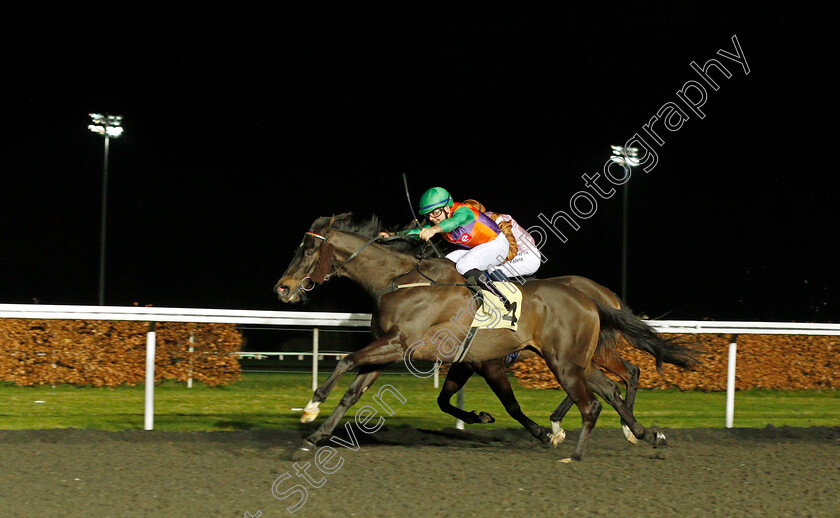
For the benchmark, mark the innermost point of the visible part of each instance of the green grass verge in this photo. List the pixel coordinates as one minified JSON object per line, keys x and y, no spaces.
{"x":266,"y":401}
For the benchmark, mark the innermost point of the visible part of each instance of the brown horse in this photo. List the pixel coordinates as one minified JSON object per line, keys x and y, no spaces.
{"x":607,"y":358}
{"x":494,"y":373}
{"x":558,"y":322}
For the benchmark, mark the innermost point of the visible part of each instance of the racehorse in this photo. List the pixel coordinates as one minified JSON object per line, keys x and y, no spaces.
{"x":494,"y":373}
{"x":607,"y":358}
{"x":561,"y":324}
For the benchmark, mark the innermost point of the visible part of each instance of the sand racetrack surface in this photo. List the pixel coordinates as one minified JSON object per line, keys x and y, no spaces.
{"x":410,"y":472}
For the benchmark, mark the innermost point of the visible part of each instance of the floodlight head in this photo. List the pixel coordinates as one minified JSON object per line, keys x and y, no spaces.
{"x":625,"y":156}
{"x":106,"y":125}
{"x":625,"y":159}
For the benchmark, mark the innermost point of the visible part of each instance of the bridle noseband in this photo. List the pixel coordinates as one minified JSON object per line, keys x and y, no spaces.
{"x":326,"y":257}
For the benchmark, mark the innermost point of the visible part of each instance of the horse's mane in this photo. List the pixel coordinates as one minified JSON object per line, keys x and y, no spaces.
{"x":368,"y":228}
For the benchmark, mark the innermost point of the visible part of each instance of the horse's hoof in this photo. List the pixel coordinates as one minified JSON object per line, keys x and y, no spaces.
{"x":628,"y":434}
{"x":557,"y":437}
{"x":660,"y":439}
{"x":544,"y":435}
{"x":485,"y":418}
{"x":310,"y":412}
{"x":304,"y":451}
{"x":308,"y":417}
{"x":655,"y":437}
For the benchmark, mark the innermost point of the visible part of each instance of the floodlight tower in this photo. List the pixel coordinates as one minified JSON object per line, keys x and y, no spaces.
{"x":109,"y":126}
{"x":626,"y":157}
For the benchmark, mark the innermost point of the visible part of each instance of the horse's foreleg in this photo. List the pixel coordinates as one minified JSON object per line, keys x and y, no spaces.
{"x":456,"y":378}
{"x":362,"y":382}
{"x":367,"y":355}
{"x":494,"y":374}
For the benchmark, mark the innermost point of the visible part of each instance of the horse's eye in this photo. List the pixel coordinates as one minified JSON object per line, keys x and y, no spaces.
{"x":309,"y":252}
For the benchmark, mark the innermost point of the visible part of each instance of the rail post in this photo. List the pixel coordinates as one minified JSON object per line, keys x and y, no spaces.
{"x":192,"y":349}
{"x":730,"y":382}
{"x":149,"y":413}
{"x":315,"y":359}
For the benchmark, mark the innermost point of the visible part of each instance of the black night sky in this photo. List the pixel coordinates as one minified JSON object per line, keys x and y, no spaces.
{"x":243,"y":126}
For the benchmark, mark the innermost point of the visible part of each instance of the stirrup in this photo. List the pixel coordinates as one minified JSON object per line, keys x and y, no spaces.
{"x":474,"y":279}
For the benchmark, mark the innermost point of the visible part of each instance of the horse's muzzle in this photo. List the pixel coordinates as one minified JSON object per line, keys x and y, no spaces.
{"x":284,"y":293}
{"x":291,"y":291}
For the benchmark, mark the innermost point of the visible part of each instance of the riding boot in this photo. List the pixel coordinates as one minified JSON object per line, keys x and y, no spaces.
{"x":476,"y":278}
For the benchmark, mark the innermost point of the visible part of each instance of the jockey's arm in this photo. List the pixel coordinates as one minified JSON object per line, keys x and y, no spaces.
{"x":412,"y":231}
{"x":459,"y":218}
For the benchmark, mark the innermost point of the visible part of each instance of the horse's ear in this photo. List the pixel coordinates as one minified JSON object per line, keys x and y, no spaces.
{"x":340,"y":217}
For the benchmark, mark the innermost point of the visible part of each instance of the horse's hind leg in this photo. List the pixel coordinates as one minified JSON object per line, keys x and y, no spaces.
{"x":494,"y":374}
{"x":384,"y":350}
{"x":608,"y":390}
{"x":629,"y":374}
{"x":617,"y":365}
{"x":557,"y":433}
{"x":631,"y":382}
{"x":573,"y":379}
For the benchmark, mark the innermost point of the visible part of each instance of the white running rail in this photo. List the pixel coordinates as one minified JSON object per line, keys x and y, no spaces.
{"x":325,"y":319}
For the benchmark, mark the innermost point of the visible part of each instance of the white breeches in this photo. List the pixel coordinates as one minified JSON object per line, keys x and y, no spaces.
{"x":483,"y":256}
{"x":525,"y":262}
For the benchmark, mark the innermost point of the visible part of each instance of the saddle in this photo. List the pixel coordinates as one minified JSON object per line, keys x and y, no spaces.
{"x":491,"y":312}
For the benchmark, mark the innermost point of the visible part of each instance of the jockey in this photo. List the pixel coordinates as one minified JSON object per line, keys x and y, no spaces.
{"x":524,"y":258}
{"x":483,"y":245}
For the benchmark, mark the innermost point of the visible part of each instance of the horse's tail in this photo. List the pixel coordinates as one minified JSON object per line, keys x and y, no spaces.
{"x":622,"y":322}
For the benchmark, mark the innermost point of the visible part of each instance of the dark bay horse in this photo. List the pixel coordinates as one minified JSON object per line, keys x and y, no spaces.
{"x":559,"y":323}
{"x":607,"y":358}
{"x":494,"y":373}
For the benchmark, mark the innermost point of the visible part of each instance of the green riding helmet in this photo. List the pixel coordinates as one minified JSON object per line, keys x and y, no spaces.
{"x":434,"y":198}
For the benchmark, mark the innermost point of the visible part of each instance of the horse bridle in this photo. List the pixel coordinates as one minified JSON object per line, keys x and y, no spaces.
{"x":322,"y":261}
{"x":319,"y":275}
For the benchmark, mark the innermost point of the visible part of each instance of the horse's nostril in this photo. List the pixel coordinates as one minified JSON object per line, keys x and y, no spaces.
{"x":281,"y":289}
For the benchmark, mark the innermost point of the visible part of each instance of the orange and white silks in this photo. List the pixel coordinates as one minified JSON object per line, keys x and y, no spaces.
{"x":482,"y":229}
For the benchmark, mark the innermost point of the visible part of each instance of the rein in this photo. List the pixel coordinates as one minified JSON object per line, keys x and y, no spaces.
{"x":321,"y":272}
{"x":353,"y":255}
{"x":325,"y":260}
